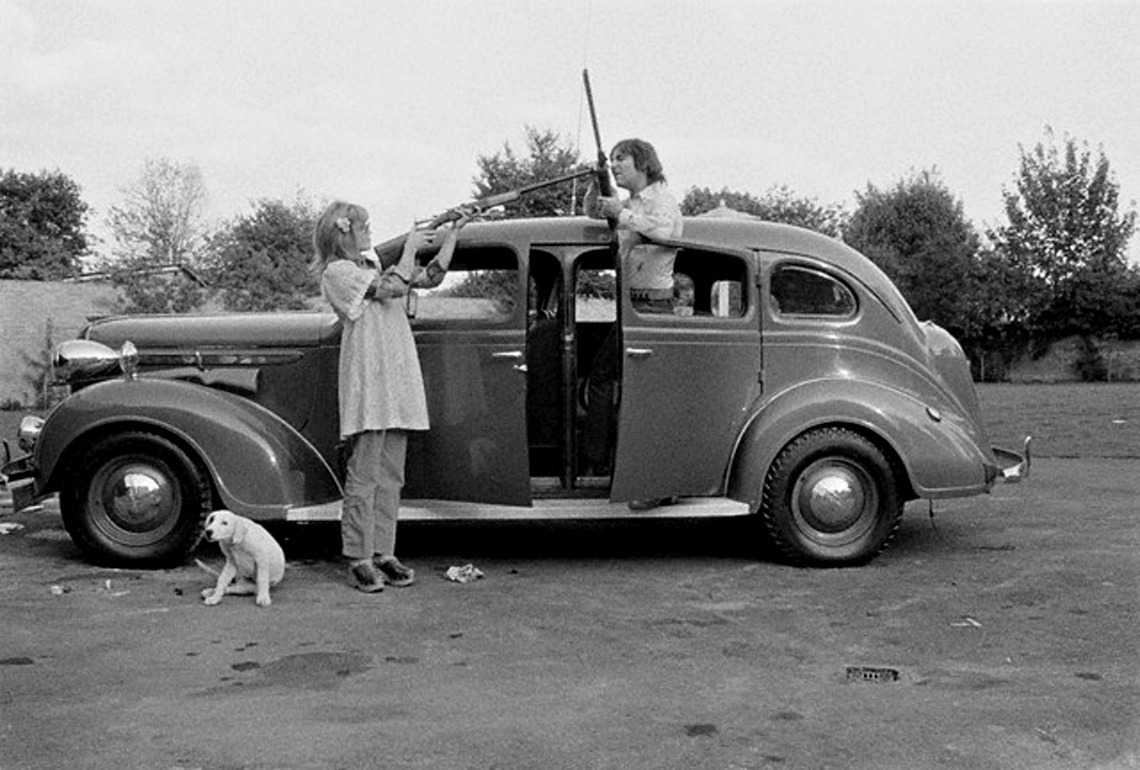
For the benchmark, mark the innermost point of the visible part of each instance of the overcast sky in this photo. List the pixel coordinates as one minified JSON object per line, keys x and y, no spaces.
{"x":389,"y":103}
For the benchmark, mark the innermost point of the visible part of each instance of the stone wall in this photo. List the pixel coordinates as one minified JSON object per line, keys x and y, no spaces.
{"x":25,"y":309}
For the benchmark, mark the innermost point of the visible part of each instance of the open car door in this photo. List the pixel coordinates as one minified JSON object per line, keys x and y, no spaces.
{"x":687,"y":378}
{"x":471,"y":336}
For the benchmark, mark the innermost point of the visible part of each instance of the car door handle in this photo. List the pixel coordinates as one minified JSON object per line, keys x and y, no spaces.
{"x":511,"y":355}
{"x":639,"y":352}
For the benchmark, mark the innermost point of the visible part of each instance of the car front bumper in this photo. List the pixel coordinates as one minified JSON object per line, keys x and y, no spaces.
{"x":18,"y":478}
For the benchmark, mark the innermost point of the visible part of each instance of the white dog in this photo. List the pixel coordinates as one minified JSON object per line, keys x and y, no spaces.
{"x":252,"y":556}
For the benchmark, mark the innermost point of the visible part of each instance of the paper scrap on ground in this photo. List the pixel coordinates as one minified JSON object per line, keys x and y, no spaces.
{"x":967,"y":622}
{"x":464,"y":574}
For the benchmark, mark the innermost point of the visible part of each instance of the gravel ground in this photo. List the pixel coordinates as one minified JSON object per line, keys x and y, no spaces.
{"x":1002,"y":634}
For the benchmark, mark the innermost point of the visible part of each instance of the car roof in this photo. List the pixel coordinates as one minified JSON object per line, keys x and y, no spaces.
{"x":710,"y":231}
{"x":732,"y":233}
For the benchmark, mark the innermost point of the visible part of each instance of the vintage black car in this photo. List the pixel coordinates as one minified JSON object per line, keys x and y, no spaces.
{"x":797,"y":388}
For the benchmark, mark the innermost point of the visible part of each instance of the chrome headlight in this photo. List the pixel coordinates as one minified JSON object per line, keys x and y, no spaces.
{"x":29,"y":432}
{"x":86,"y":359}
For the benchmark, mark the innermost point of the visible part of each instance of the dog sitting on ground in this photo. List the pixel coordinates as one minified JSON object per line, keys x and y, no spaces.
{"x":254,"y":560}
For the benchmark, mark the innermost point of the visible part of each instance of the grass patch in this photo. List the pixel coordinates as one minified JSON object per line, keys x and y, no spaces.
{"x":1065,"y":419}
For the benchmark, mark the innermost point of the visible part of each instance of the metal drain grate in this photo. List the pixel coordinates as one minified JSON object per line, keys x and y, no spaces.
{"x":871,"y":674}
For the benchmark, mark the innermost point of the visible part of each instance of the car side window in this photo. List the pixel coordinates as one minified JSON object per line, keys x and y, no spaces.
{"x":796,"y":290}
{"x":594,"y":293}
{"x":481,"y":285}
{"x":707,"y":283}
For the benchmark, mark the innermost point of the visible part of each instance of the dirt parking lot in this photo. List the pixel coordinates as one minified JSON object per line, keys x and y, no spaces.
{"x":1001,"y":635}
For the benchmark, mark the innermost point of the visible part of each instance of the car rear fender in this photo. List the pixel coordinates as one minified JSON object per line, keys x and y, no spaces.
{"x":260,"y":465}
{"x":934,"y":449}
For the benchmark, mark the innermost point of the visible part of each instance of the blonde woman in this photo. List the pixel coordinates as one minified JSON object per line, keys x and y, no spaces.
{"x":381,"y":391}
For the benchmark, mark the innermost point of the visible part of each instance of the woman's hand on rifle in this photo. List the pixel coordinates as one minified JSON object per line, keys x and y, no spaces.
{"x":447,"y":236}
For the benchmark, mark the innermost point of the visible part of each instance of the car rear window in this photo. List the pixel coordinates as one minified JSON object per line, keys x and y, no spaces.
{"x":797,"y":290}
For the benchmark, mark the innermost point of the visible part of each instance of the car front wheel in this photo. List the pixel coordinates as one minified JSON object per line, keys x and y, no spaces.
{"x":831,"y":498}
{"x":136,"y":499}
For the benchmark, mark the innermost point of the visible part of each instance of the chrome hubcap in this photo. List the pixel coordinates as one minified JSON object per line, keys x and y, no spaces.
{"x":138,"y":502}
{"x":139,"y":498}
{"x":834,"y":500}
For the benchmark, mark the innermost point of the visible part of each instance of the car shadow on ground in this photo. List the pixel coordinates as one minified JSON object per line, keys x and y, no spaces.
{"x":40,"y":534}
{"x":594,"y":539}
{"x":918,"y":537}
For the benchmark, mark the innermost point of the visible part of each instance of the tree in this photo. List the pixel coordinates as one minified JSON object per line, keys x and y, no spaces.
{"x":42,"y":219}
{"x":504,"y":171}
{"x":547,"y":159}
{"x":1066,"y":231}
{"x":918,"y":234}
{"x":778,"y":204}
{"x":1128,"y":322}
{"x":160,"y":224}
{"x":994,"y":322}
{"x":261,"y":260}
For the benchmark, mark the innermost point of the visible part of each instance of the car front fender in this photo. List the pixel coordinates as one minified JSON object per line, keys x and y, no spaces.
{"x":260,"y":465}
{"x":938,"y":448}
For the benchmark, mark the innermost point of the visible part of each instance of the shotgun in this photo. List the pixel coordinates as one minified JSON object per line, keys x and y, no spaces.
{"x":482,"y":205}
{"x":605,"y":181}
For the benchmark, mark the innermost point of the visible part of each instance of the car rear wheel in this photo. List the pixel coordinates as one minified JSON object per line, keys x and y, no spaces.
{"x":137,"y":500}
{"x":831,"y":498}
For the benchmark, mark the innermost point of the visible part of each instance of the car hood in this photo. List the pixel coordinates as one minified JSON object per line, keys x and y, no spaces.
{"x":220,"y":330}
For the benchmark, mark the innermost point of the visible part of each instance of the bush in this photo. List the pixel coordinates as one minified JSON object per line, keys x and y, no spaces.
{"x":1090,"y":364}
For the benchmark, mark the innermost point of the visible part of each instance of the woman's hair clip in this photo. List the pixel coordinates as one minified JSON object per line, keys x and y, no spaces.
{"x":343,"y":224}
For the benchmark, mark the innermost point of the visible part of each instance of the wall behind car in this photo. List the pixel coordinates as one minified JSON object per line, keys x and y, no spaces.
{"x":25,"y":309}
{"x":1119,"y":358}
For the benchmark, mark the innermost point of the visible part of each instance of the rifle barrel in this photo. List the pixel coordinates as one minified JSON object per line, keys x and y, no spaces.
{"x":593,"y":115}
{"x":491,"y":201}
{"x":557,"y":180}
{"x":605,"y":183}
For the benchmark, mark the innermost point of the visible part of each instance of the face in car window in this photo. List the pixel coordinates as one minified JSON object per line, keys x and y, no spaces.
{"x":709,"y":284}
{"x":803,"y":291}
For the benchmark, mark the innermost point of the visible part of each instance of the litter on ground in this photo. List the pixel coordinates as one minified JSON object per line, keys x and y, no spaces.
{"x":464,"y":574}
